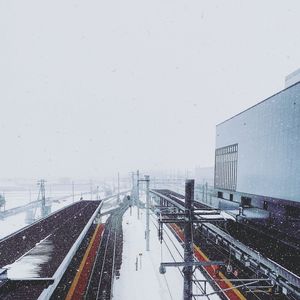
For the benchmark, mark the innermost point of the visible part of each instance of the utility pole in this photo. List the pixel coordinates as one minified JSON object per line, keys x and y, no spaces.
{"x":132,"y":192}
{"x":41,"y":183}
{"x":138,"y":194}
{"x":97,"y":192}
{"x":73,"y":196}
{"x":188,"y":218}
{"x":91,"y":187}
{"x":188,"y":240}
{"x":118,"y":187}
{"x":147,"y":179}
{"x":147,"y":232}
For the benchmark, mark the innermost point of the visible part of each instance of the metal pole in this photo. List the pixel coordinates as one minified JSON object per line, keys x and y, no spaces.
{"x":118,"y":187}
{"x":140,"y":255}
{"x":147,"y":179}
{"x":132,"y":182}
{"x":188,"y":240}
{"x":43,"y":197}
{"x":138,"y":193}
{"x":132,"y":192}
{"x":91,"y":187}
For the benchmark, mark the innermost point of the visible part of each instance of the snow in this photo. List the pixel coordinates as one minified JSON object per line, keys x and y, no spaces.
{"x":227,"y":216}
{"x":29,"y":265}
{"x":144,"y":283}
{"x":147,"y":283}
{"x":108,"y":205}
{"x":15,"y":222}
{"x":12,"y":224}
{"x":249,"y":213}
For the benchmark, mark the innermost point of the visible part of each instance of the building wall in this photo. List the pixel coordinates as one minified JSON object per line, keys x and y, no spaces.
{"x":268,"y":138}
{"x":292,"y":78}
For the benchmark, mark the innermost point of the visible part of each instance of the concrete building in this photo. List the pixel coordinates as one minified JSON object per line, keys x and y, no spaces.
{"x":257,"y":157}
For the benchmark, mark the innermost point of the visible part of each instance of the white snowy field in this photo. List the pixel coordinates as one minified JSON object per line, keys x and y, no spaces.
{"x":146,"y":282}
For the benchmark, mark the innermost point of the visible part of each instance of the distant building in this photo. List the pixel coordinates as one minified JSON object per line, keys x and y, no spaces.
{"x":257,"y":156}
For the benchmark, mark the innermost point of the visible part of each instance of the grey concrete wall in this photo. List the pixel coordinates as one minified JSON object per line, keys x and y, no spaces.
{"x":268,"y":137}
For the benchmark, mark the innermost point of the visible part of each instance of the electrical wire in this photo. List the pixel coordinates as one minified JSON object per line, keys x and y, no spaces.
{"x":198,"y":285}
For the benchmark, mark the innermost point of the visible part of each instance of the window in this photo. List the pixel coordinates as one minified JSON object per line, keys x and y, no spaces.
{"x":226,"y":167}
{"x":265,"y":205}
{"x":292,"y":211}
{"x":245,"y":201}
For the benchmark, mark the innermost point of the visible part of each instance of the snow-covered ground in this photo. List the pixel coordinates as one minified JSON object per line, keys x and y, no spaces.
{"x":146,"y":282}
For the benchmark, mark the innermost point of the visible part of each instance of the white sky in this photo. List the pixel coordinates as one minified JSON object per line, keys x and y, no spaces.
{"x":91,"y":87}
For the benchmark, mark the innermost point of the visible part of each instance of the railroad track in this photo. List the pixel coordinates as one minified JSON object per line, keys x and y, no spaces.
{"x":285,"y":254}
{"x":219,"y":253}
{"x":264,"y":245}
{"x":170,"y":240}
{"x":100,"y":283}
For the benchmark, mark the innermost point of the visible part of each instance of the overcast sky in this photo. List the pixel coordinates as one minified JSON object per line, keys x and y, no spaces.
{"x":91,"y":87}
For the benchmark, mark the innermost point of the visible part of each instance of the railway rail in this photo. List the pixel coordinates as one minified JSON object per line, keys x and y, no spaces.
{"x":165,"y":233}
{"x":265,"y":243}
{"x":101,"y":279}
{"x":247,"y":258}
